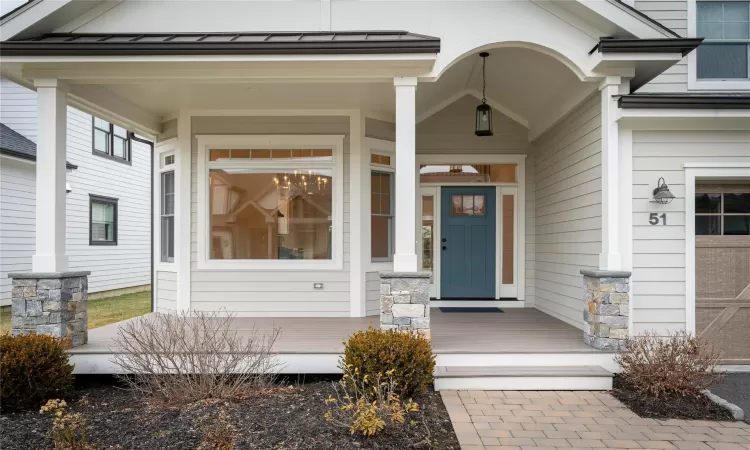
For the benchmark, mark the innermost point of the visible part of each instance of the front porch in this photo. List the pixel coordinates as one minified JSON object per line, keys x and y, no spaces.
{"x":516,"y":337}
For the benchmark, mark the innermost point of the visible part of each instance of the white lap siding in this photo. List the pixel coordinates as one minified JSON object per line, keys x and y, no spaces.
{"x":165,"y":291}
{"x":567,"y":205}
{"x":673,"y":15}
{"x":372,"y":281}
{"x":659,"y":281}
{"x":271,"y":293}
{"x":17,"y":220}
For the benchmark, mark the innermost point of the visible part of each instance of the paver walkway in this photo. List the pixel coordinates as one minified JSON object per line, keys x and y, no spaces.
{"x":516,"y":420}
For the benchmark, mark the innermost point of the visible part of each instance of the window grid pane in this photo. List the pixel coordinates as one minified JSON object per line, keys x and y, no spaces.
{"x":728,"y":22}
{"x":102,"y":222}
{"x":167,"y":217}
{"x":381,"y":219}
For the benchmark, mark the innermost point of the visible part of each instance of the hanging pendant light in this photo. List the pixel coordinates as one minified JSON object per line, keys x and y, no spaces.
{"x":484,"y":111}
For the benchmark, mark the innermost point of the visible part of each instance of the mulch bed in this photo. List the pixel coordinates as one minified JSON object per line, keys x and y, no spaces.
{"x":673,"y":407}
{"x":289,"y":418}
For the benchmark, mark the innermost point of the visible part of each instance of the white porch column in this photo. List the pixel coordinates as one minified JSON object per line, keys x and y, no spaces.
{"x":610,"y":258}
{"x":49,"y":255}
{"x":405,"y":256}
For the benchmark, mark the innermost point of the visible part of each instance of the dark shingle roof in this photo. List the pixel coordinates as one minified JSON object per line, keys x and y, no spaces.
{"x":242,"y":43}
{"x":13,"y":143}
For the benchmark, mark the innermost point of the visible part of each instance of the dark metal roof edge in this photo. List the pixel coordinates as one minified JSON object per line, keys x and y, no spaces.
{"x":667,"y":45}
{"x":22,"y":155}
{"x":234,"y":33}
{"x":690,"y":101}
{"x":70,"y":46}
{"x":18,"y":8}
{"x":647,"y":17}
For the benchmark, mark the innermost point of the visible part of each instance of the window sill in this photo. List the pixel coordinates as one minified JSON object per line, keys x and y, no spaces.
{"x":103,"y":243}
{"x":111,"y":158}
{"x":274,"y":265}
{"x":719,"y":85}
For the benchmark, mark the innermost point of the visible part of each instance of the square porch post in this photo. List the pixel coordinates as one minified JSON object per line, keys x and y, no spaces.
{"x":50,"y":299}
{"x":404,"y":293}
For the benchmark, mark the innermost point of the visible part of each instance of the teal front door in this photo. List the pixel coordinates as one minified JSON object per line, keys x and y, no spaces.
{"x":467,"y":243}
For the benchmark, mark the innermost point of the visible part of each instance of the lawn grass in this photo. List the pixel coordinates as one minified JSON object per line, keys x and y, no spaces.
{"x":102,"y":311}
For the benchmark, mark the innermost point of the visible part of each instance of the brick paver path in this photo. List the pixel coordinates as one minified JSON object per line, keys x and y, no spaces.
{"x":513,"y":420}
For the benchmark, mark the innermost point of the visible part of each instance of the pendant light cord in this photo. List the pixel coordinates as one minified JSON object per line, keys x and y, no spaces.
{"x":484,"y":79}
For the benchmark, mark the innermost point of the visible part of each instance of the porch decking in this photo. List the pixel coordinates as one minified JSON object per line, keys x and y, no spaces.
{"x":519,"y":336}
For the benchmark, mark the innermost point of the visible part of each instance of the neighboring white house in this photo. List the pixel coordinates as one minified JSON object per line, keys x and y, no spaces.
{"x":115,"y":249}
{"x":292,"y":166}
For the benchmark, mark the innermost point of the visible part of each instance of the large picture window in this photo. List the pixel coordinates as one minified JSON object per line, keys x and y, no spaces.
{"x":102,"y":220}
{"x":271,"y":204}
{"x":725,"y":52}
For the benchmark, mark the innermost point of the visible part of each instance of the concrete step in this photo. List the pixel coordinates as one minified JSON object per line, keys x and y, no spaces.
{"x":523,"y":378}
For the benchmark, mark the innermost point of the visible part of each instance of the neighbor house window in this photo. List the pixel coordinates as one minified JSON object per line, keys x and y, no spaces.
{"x":102,"y":220}
{"x":167,"y":216}
{"x":271,"y":204}
{"x":111,"y":141}
{"x":722,"y":213}
{"x":381,"y":207}
{"x":725,"y":52}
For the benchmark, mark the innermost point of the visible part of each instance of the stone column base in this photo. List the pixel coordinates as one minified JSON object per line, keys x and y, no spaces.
{"x":55,"y":304}
{"x":405,"y":302}
{"x":606,"y":314}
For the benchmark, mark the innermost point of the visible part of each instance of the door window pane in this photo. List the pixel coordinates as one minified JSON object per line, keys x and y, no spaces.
{"x":722,"y":61}
{"x":737,"y":203}
{"x":707,"y":225}
{"x":467,"y":205}
{"x":707,"y":203}
{"x":737,"y":225}
{"x":264,"y":214}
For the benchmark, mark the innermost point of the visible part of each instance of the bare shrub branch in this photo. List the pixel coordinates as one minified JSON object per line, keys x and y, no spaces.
{"x":190,"y":356}
{"x":677,"y":364}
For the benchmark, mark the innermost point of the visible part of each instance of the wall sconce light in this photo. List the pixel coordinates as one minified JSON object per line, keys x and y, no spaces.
{"x":661,"y":193}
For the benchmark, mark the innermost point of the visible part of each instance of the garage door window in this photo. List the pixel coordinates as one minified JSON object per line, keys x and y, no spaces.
{"x":726,"y":213}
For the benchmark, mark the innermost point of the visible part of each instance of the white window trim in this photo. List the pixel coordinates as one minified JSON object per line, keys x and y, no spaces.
{"x":694,"y":84}
{"x":693,"y":172}
{"x":162,"y":149}
{"x":334,"y":142}
{"x":387,"y":148}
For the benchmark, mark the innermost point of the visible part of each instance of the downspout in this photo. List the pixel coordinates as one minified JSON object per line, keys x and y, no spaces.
{"x":151,"y":205}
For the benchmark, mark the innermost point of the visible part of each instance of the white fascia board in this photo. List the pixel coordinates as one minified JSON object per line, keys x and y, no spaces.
{"x":625,"y":18}
{"x":605,"y":62}
{"x":29,"y":16}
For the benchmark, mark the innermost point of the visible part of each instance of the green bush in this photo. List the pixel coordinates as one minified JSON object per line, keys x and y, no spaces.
{"x":33,"y":369}
{"x":374,"y":352}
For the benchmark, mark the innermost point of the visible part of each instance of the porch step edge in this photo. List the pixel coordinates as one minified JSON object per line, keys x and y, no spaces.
{"x":521,"y":371}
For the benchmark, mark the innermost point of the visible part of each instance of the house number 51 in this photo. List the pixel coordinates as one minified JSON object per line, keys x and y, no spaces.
{"x":656,"y":219}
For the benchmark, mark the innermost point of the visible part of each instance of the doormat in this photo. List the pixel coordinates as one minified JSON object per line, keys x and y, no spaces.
{"x":466,"y":309}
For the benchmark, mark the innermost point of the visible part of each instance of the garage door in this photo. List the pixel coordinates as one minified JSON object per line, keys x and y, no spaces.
{"x":722,"y":262}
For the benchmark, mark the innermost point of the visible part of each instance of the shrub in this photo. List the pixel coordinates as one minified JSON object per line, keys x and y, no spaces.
{"x":368,"y":406}
{"x":218,"y":434}
{"x":33,"y":369}
{"x":68,"y":430}
{"x":407,"y":356}
{"x":191,"y":356}
{"x":677,"y":364}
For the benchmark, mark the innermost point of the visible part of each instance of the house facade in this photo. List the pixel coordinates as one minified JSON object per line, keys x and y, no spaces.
{"x":293,"y":168}
{"x":94,"y":180}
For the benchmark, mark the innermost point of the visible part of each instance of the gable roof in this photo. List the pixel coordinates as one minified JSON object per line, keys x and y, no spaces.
{"x":319,"y":42}
{"x":13,"y":143}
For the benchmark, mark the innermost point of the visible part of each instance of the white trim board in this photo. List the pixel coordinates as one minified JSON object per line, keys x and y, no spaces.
{"x":693,"y":172}
{"x":477,"y":304}
{"x":334,"y":142}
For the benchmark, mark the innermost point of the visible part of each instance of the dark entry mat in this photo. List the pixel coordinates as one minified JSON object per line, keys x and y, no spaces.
{"x":465,"y":309}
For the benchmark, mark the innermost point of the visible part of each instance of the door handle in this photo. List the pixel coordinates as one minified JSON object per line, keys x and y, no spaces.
{"x":445,"y":240}
{"x":445,"y":247}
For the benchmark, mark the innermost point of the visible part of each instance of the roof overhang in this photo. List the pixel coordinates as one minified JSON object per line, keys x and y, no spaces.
{"x":685,"y":101}
{"x":685,"y":111}
{"x":30,"y":158}
{"x":646,"y":58}
{"x":282,"y":43}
